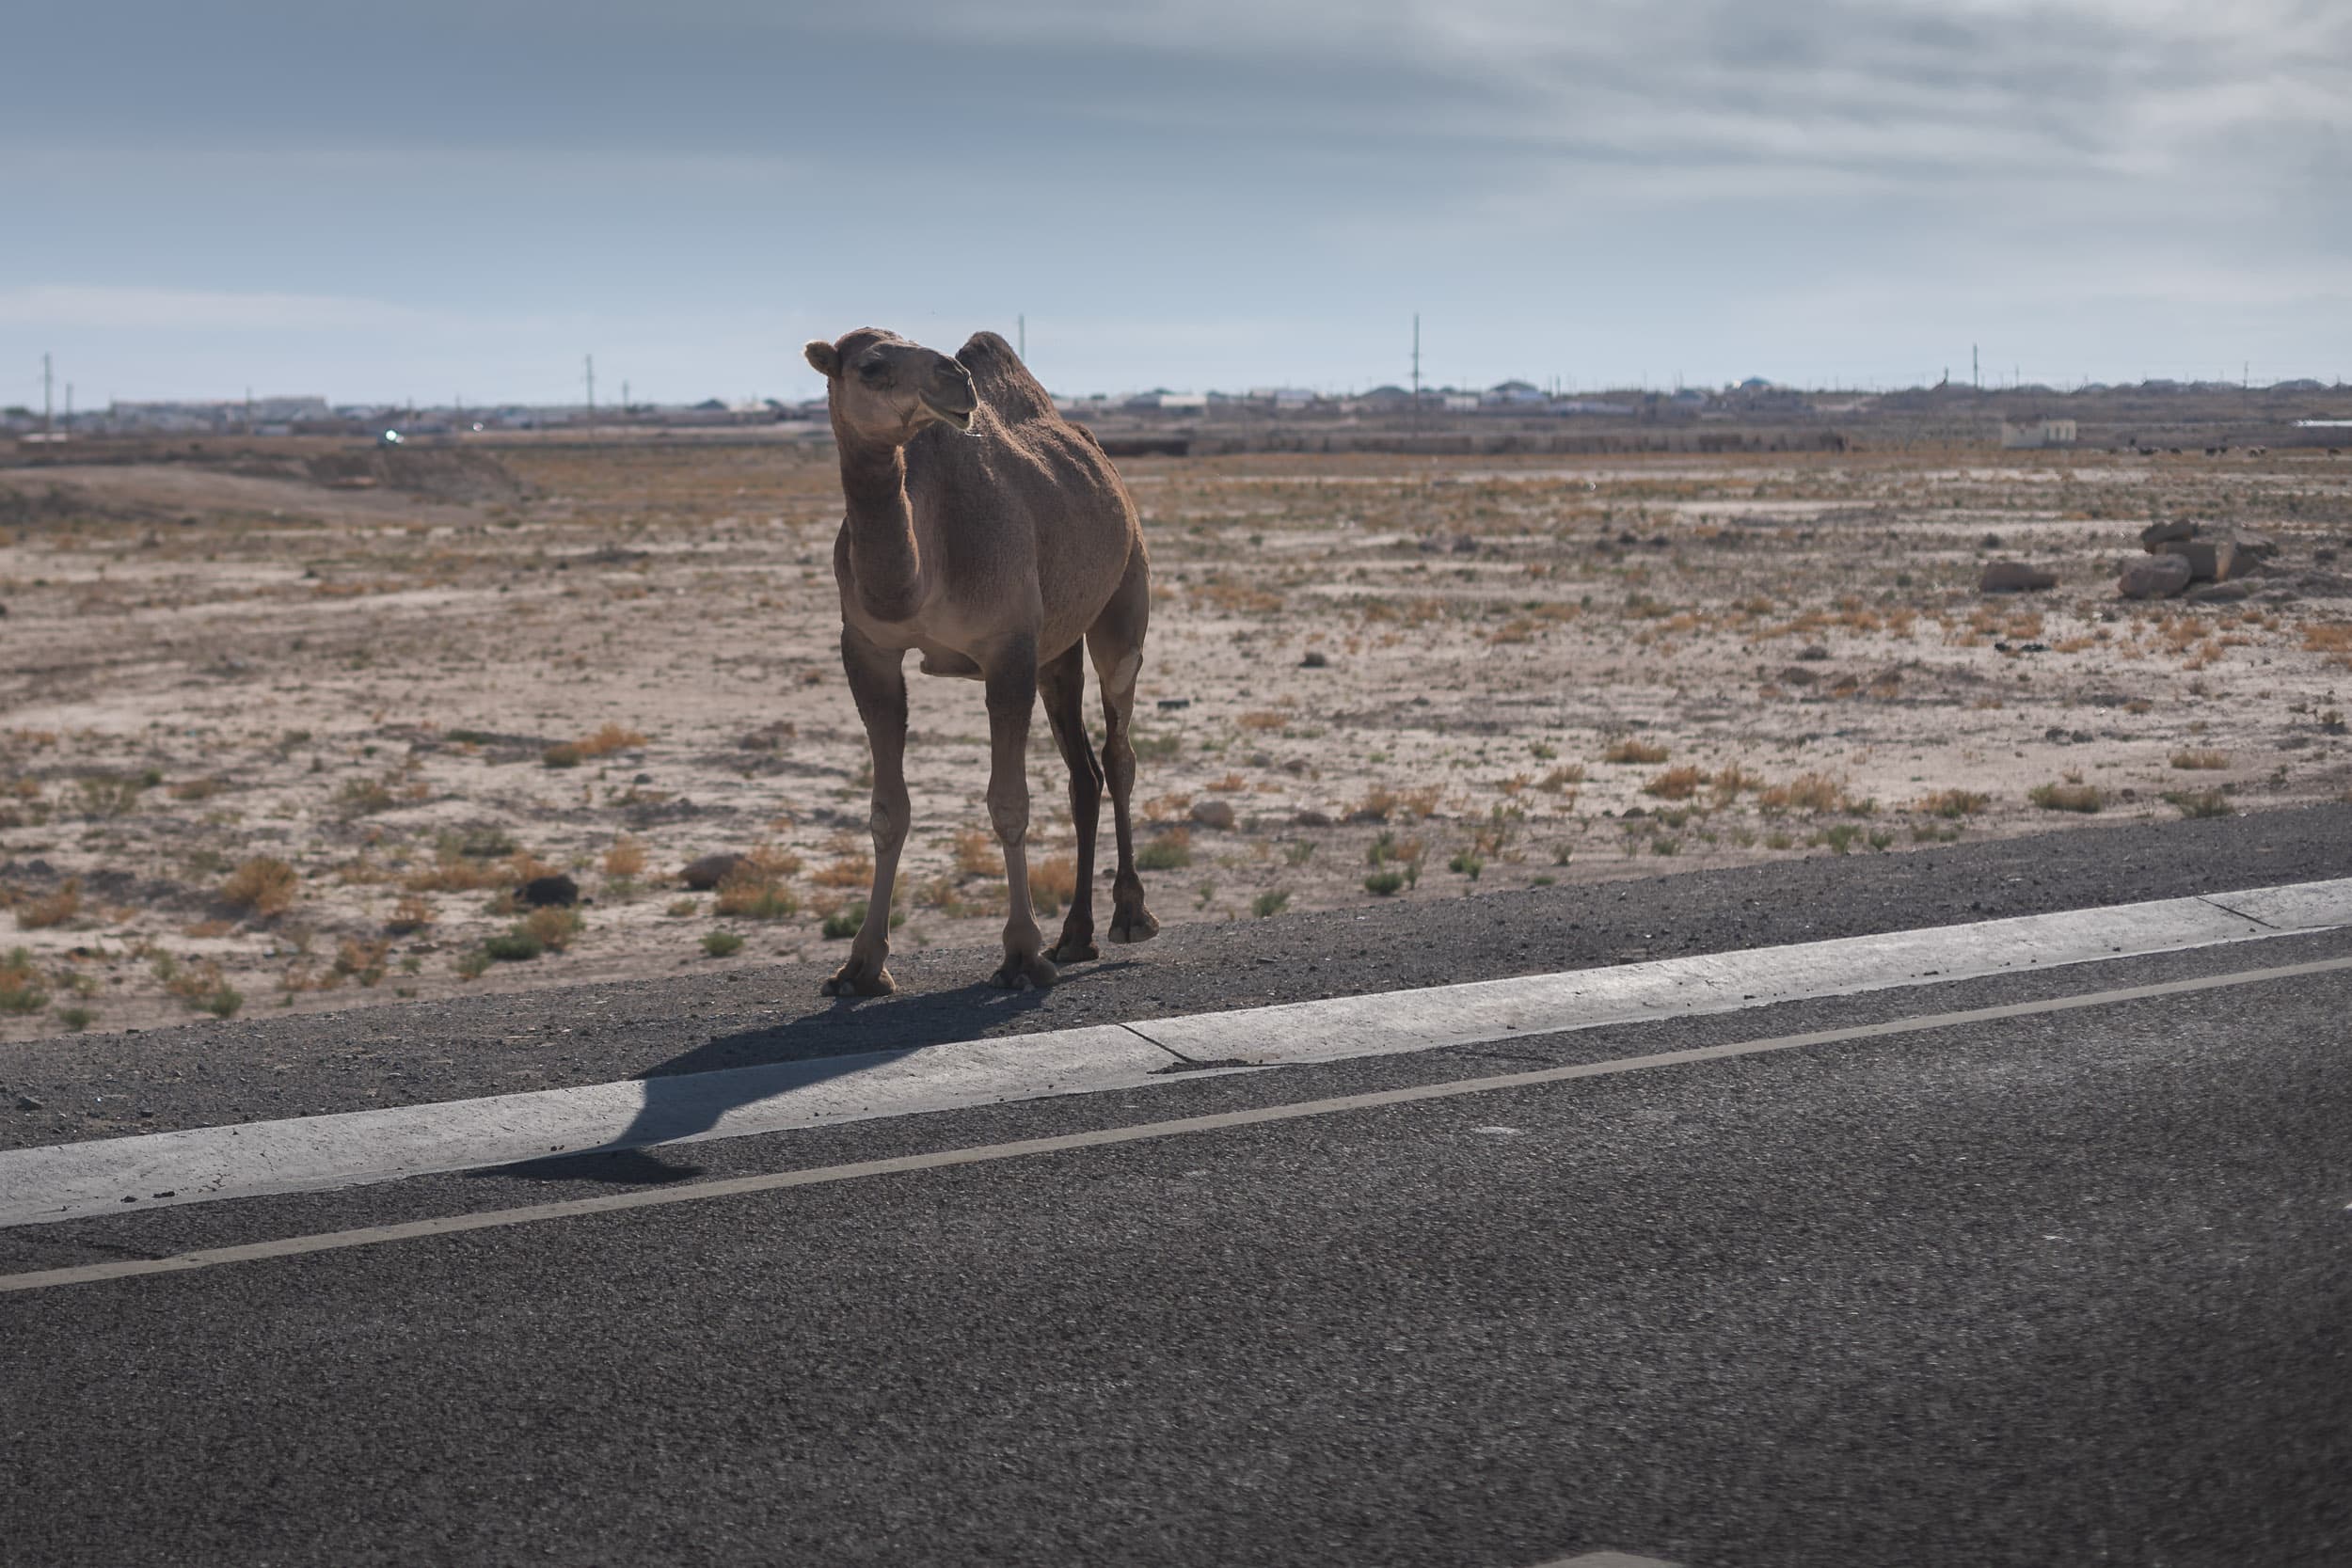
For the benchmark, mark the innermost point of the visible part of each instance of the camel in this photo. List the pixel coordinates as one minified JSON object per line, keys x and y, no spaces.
{"x":993,"y":537}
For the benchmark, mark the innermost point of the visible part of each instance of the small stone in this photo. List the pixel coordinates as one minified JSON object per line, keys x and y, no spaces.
{"x":2217,"y":592}
{"x":558,"y":890}
{"x":1796,"y":674}
{"x":1213,"y":813}
{"x":1315,"y":659}
{"x":26,"y":1103}
{"x":2154,"y":577}
{"x":709,"y":871}
{"x":1814,"y":655}
{"x":2013,"y":576}
{"x":1312,"y":818}
{"x":1174,"y":705}
{"x":2155,"y":536}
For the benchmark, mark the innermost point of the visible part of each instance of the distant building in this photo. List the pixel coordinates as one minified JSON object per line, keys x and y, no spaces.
{"x":1167,"y":402}
{"x":1512,"y":394}
{"x":2032,"y":434}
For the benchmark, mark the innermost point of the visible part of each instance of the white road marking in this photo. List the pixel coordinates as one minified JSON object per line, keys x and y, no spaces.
{"x":701,"y":1192}
{"x":311,"y":1153}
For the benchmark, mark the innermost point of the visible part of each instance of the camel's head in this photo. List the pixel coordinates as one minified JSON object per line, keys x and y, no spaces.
{"x":886,"y":388}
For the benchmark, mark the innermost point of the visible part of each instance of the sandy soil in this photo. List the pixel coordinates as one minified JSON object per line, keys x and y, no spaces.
{"x":1400,"y":675}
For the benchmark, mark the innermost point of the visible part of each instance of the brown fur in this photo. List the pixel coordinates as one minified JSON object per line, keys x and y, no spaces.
{"x":993,"y":536}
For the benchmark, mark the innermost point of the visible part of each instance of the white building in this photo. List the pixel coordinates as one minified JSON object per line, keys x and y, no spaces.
{"x":2032,"y":434}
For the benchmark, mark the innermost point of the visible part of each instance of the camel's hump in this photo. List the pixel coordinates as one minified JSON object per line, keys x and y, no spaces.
{"x":1002,"y":380}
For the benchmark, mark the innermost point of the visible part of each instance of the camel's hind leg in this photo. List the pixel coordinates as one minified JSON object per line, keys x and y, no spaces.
{"x":878,"y":681}
{"x":1062,"y":683}
{"x":1116,"y":643}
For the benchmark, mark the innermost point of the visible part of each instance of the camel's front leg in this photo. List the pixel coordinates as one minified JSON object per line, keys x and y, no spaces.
{"x":878,"y":681}
{"x":1011,"y":698}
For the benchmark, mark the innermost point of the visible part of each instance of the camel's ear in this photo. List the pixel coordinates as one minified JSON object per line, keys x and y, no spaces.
{"x":822,"y":358}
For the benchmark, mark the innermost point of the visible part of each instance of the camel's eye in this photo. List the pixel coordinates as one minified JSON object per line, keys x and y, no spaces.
{"x":873,"y":370}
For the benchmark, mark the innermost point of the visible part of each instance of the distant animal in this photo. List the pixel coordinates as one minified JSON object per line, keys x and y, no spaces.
{"x":991,"y":536}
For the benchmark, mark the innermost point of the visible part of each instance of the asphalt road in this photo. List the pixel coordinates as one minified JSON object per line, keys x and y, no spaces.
{"x":255,"y":1068}
{"x":2063,"y":1289}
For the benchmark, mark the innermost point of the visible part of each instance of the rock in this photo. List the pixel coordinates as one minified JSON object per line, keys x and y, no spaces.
{"x":1174,"y":705}
{"x":2209,"y":560}
{"x":2013,"y":576}
{"x":2254,"y":546}
{"x":1213,"y":813}
{"x":710,"y":870}
{"x":1813,"y":654}
{"x":2155,"y":577}
{"x":1315,"y":659}
{"x":2217,"y":592}
{"x":558,"y":890}
{"x":768,"y":738}
{"x":2155,"y":536}
{"x":26,"y":1103}
{"x":1990,"y":542}
{"x":1796,"y":674}
{"x":1312,"y":818}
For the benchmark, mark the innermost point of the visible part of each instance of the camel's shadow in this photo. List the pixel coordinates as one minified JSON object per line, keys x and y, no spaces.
{"x":688,"y":1093}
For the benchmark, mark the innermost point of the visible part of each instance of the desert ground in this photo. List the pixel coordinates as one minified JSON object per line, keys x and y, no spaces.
{"x":290,"y":727}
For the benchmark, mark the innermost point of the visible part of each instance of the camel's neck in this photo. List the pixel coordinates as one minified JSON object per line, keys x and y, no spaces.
{"x":882,"y":556}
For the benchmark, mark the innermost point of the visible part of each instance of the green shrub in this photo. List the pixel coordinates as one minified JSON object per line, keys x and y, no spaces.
{"x":1165,"y":853}
{"x":515,"y":946}
{"x":1380,"y":884}
{"x":720,"y":944}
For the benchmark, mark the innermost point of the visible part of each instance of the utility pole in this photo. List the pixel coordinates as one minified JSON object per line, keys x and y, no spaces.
{"x":624,"y":395}
{"x":1417,"y":369}
{"x":1020,"y":332}
{"x":48,"y":427}
{"x":591,"y":389}
{"x":1976,"y":369}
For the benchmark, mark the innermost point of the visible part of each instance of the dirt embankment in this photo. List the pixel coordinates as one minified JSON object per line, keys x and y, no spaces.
{"x":275,"y":736}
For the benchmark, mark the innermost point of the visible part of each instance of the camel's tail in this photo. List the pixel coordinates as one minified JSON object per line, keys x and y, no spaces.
{"x":1002,"y":380}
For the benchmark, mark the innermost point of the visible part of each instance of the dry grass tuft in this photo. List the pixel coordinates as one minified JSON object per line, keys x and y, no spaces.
{"x":2194,"y":761}
{"x":1562,"y":777}
{"x":977,"y":854}
{"x":1953,"y":802}
{"x":1634,"y":751}
{"x":54,"y":910}
{"x":1676,"y":783}
{"x":263,"y":885}
{"x":1806,"y":792}
{"x":626,"y":857}
{"x":2328,"y":636}
{"x":554,"y":927}
{"x":1265,"y":718}
{"x":1053,"y":882}
{"x":2067,"y":796}
{"x":610,"y":739}
{"x":410,"y":913}
{"x":848,"y":871}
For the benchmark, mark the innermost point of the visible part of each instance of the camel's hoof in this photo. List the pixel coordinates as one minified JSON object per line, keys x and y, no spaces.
{"x":1021,"y":974}
{"x":855,"y":979}
{"x":1134,"y":925}
{"x":1072,"y":950}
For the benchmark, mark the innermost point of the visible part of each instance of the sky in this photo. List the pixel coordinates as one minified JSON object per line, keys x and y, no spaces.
{"x":450,"y":199}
